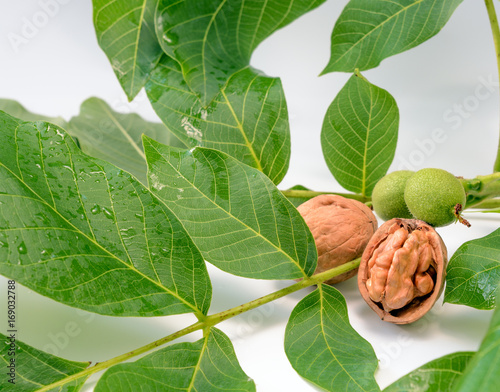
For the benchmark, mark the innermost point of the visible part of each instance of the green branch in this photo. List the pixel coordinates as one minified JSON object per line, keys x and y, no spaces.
{"x":303,"y":194}
{"x":496,"y":40}
{"x":121,"y":358}
{"x":209,"y":322}
{"x":490,"y":204}
{"x":481,"y":188}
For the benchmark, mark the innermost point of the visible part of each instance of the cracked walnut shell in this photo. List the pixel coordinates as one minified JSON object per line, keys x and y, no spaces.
{"x":341,"y":229}
{"x":402,"y":270}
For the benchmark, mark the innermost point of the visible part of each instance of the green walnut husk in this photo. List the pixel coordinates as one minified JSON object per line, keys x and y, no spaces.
{"x":388,"y":196}
{"x":435,"y":196}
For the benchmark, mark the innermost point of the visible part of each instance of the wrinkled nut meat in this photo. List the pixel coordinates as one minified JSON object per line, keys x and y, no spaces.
{"x":341,"y":228}
{"x":402,"y":270}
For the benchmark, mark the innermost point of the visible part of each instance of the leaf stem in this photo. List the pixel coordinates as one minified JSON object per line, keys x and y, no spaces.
{"x":358,"y":74}
{"x":310,"y":194}
{"x":496,"y":40}
{"x":209,"y":322}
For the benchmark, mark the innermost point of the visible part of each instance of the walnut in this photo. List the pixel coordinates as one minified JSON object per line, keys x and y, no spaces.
{"x":402,"y":270}
{"x":341,"y":228}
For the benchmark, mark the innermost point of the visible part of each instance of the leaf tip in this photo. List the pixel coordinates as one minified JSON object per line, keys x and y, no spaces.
{"x":325,"y":71}
{"x":146,"y":139}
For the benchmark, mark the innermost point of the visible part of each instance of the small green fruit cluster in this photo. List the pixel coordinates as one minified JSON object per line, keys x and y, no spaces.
{"x":434,"y":196}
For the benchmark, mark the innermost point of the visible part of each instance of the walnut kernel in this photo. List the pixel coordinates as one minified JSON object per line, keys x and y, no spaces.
{"x":402,"y":270}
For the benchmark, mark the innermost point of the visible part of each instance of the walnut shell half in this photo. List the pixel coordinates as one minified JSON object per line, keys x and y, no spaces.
{"x":341,"y":229}
{"x":402,"y":270}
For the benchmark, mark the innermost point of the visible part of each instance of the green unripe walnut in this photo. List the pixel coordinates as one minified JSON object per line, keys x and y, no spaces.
{"x":434,"y":196}
{"x":388,"y":196}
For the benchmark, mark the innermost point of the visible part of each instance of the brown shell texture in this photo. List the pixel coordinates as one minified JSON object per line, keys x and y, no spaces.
{"x":402,"y":270}
{"x":341,"y":228}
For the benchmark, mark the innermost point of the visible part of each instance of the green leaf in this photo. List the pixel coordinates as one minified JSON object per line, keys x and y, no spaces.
{"x":212,"y":40}
{"x":15,"y":109}
{"x":235,"y":215}
{"x":115,"y":137}
{"x":481,"y":374}
{"x":322,"y":346}
{"x":83,"y":232}
{"x":247,"y":120}
{"x":125,"y":32}
{"x":208,"y":365}
{"x":435,"y":376}
{"x":473,"y":273}
{"x":368,"y":31}
{"x":35,"y":369}
{"x":359,"y":135}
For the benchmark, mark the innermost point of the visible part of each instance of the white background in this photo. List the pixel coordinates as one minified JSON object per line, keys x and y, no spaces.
{"x":448,"y":83}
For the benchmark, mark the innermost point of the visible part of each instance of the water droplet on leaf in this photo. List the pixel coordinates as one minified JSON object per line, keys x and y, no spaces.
{"x":22,"y":248}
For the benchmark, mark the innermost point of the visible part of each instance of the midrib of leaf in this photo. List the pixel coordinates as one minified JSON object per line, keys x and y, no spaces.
{"x":136,"y":49}
{"x":131,"y":266}
{"x":198,"y":364}
{"x":232,"y":216}
{"x":363,"y":187}
{"x":115,"y":221}
{"x":239,"y":125}
{"x":204,"y":43}
{"x":404,"y":9}
{"x":321,"y":294}
{"x":43,"y":165}
{"x":123,"y":131}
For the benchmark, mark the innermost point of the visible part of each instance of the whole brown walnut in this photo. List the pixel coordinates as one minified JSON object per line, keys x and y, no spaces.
{"x":341,"y":228}
{"x":402,"y":270}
